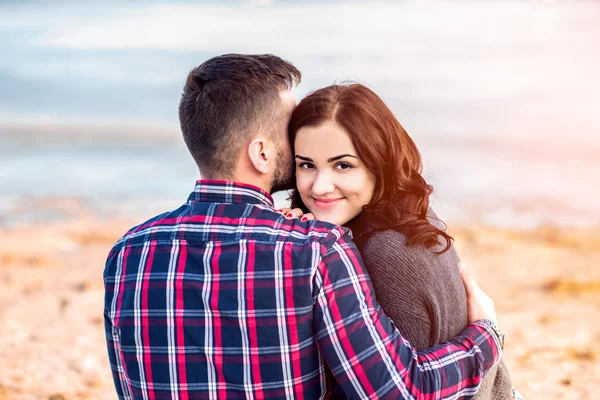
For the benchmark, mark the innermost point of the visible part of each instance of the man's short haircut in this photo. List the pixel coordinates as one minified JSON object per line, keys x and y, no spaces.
{"x":226,"y":101}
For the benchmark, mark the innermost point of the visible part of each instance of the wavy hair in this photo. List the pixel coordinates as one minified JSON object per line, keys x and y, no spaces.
{"x":400,"y":199}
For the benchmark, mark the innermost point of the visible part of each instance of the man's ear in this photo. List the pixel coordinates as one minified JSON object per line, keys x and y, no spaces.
{"x":260,"y":154}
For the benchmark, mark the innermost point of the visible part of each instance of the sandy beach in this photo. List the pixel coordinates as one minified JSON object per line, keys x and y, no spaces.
{"x":545,"y":283}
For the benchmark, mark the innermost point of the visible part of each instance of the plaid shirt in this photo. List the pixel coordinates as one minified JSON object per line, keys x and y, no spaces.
{"x":225,"y":298}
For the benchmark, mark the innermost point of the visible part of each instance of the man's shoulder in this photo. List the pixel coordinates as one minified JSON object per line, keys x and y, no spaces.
{"x":157,"y":220}
{"x":261,"y":224}
{"x":153,"y":224}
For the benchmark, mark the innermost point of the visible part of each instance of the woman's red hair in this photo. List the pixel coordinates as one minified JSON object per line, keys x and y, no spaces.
{"x":400,"y":199}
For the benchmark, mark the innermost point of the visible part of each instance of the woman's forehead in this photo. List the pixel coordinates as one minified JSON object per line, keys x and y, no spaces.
{"x":327,"y":138}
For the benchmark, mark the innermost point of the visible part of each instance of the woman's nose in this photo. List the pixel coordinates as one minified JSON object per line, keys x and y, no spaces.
{"x":323,"y":184}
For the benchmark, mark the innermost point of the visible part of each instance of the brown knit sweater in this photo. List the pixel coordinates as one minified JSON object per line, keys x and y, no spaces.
{"x":424,"y":296}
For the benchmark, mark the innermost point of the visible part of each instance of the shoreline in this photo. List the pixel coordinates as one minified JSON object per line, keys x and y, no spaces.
{"x":96,"y":129}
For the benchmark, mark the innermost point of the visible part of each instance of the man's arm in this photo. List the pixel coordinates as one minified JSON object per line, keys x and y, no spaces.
{"x":367,"y":354}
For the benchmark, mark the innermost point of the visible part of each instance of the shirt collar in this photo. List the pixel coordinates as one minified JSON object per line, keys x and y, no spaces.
{"x":229,"y":192}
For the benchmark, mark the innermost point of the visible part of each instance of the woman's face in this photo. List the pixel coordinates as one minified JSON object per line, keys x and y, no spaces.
{"x":332,"y":181}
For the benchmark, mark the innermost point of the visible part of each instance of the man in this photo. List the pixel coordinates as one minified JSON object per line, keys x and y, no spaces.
{"x":225,"y":298}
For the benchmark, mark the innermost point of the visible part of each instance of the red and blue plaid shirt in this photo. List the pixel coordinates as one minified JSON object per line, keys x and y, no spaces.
{"x":225,"y":298}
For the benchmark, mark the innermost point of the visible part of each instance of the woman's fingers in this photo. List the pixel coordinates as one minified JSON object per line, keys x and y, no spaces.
{"x":283,"y":211}
{"x":307,"y":216}
{"x":290,"y":213}
{"x":479,"y":304}
{"x":294,"y":213}
{"x":468,"y":279}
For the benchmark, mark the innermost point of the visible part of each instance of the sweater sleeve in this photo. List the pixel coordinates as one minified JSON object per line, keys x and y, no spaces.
{"x":402,"y":280}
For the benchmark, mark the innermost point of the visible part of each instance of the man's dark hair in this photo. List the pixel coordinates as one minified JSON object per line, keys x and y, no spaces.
{"x":226,"y":101}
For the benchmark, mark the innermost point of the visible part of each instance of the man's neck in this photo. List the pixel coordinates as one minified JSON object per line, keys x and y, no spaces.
{"x":241,"y":179}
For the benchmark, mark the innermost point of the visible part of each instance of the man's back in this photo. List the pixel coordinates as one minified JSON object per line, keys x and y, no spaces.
{"x":209,"y":294}
{"x":223,"y":297}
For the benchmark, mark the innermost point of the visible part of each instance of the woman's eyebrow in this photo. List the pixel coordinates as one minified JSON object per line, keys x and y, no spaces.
{"x":340,"y":156}
{"x":328,"y":160}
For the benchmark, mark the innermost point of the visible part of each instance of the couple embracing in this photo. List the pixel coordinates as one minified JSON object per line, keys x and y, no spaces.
{"x":227,"y":297}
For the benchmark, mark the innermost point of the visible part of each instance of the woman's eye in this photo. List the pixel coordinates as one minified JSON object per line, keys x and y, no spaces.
{"x":343,"y":166}
{"x":305,"y":165}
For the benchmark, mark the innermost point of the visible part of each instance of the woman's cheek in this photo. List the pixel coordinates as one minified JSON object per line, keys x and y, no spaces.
{"x":303,"y":185}
{"x":358,"y":192}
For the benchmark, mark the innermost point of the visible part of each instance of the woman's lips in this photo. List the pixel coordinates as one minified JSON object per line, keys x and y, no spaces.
{"x":326,"y":204}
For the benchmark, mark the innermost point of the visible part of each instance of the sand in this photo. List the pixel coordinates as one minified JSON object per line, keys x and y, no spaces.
{"x":545,"y":283}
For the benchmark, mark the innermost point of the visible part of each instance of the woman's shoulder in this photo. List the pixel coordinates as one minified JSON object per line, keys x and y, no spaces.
{"x":384,"y":238}
{"x":399,"y":240}
{"x":389,"y":249}
{"x":393,"y":243}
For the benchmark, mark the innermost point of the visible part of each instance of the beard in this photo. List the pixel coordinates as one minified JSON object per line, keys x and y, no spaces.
{"x":283,"y":178}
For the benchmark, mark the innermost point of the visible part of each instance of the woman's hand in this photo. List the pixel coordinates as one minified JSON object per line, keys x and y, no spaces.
{"x":480,"y":305}
{"x":291,"y":213}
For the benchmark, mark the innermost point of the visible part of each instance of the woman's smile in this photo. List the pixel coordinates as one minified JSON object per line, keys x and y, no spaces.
{"x":327,"y":203}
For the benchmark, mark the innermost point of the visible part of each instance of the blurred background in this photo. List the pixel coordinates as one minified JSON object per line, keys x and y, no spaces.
{"x":501,"y":97}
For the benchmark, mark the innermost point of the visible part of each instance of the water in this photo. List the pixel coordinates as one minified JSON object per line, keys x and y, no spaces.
{"x":502,"y":98}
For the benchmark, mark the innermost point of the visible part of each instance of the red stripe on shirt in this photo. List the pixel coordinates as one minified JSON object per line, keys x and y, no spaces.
{"x":293,"y":325}
{"x":179,"y":321}
{"x":145,"y":322}
{"x":214,"y":305}
{"x":120,"y":304}
{"x":121,"y":286}
{"x":256,"y":378}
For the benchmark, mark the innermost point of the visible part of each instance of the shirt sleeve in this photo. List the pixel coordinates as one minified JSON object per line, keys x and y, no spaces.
{"x":366,"y":352}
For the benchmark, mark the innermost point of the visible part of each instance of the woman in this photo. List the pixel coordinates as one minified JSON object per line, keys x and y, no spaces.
{"x":356,"y":166}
